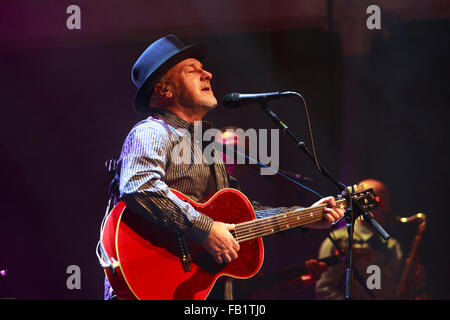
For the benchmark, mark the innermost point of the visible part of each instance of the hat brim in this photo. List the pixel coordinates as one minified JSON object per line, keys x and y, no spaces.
{"x":143,"y":94}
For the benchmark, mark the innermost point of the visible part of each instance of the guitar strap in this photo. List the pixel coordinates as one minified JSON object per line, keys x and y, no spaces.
{"x":220,"y":173}
{"x":228,"y":294}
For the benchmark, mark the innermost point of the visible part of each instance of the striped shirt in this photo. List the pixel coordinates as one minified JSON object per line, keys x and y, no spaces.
{"x":148,"y":167}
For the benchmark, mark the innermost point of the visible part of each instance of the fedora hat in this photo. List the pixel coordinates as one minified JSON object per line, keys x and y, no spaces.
{"x":155,"y":61}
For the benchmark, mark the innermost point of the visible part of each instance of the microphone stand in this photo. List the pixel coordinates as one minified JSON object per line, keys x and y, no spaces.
{"x":353,"y":209}
{"x":357,"y":275}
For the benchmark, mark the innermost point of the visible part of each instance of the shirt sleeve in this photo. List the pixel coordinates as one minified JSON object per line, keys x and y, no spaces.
{"x":142,"y":169}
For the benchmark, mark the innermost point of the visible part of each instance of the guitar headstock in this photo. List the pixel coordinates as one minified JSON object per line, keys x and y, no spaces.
{"x":367,"y":199}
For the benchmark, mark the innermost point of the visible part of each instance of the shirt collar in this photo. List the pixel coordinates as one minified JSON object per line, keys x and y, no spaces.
{"x":176,"y":121}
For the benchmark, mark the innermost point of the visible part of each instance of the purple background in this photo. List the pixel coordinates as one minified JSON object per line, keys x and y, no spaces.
{"x":378,"y":101}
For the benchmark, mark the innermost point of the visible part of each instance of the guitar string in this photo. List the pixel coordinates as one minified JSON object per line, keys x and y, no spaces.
{"x":276,"y":220}
{"x":292,"y":222}
{"x":269,"y":223}
{"x":264,"y":221}
{"x":262,"y":230}
{"x":262,"y":226}
{"x":291,"y":213}
{"x":248,"y":228}
{"x":259,"y":226}
{"x":196,"y":248}
{"x":268,"y":232}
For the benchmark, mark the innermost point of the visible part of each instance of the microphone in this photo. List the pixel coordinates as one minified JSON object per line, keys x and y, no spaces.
{"x":236,"y":100}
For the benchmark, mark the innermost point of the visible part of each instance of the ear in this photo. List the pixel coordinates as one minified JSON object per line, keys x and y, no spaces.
{"x":163,"y":90}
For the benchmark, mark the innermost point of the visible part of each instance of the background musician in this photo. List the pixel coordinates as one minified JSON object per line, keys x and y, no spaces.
{"x":369,"y":249}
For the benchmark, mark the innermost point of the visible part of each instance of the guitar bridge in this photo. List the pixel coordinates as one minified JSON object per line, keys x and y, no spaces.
{"x":185,"y":255}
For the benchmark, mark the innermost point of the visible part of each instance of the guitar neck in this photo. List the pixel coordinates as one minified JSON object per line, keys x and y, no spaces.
{"x":283,"y":221}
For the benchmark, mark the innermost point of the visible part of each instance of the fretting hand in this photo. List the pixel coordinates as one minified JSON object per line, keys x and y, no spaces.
{"x":331,"y":214}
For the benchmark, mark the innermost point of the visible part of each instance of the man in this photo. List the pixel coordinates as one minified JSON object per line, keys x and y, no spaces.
{"x":175,"y":89}
{"x":368,"y":249}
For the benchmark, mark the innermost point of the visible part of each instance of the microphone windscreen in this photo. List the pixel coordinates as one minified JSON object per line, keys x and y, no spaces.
{"x":231,"y":100}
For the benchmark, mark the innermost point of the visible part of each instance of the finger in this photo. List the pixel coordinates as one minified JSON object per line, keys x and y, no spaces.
{"x":328,"y":216}
{"x":333,"y":213}
{"x":329,"y":221}
{"x":219,"y":259}
{"x":340,"y":212}
{"x":226,"y":257}
{"x":233,"y":254}
{"x":327,"y":200}
{"x":230,"y":226}
{"x":236,"y":245}
{"x":331,"y":201}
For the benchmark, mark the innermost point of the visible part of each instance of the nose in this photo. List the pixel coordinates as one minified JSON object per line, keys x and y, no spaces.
{"x":206,"y":75}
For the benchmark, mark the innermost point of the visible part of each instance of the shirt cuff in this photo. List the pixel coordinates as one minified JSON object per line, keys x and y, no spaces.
{"x":199,"y":231}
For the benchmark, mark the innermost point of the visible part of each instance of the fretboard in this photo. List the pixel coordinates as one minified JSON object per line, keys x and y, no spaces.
{"x":283,"y":221}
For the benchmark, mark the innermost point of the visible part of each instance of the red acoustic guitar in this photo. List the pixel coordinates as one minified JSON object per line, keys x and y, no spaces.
{"x":151,"y":263}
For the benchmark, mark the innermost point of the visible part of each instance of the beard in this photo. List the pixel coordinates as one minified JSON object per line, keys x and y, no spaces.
{"x":208,"y":103}
{"x":196,"y":100}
